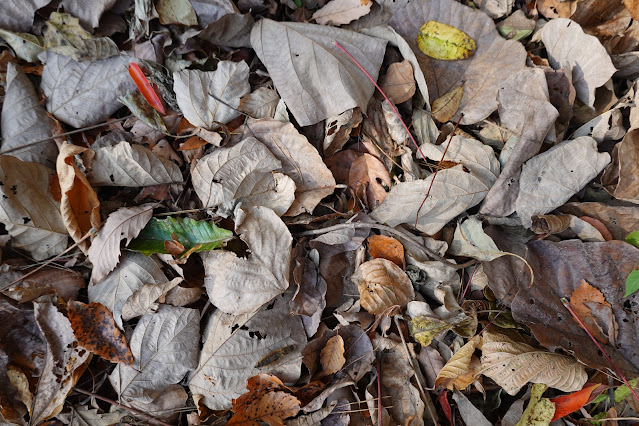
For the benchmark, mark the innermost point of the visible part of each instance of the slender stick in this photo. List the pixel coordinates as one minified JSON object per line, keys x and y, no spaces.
{"x":564,"y":301}
{"x":379,"y":390}
{"x":135,"y":411}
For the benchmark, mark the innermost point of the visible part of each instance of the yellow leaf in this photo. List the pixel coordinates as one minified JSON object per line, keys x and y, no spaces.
{"x":441,"y":41}
{"x":539,"y":411}
{"x":462,"y":369}
{"x":332,"y":356}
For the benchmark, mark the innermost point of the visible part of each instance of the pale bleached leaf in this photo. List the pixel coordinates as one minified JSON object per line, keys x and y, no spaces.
{"x":85,"y":416}
{"x":133,"y":271}
{"x":512,"y":364}
{"x":89,"y":12}
{"x":241,"y":285}
{"x":64,"y":35}
{"x":194,"y":91}
{"x":453,"y":191}
{"x":28,"y":211}
{"x":144,"y":300}
{"x":238,"y":348}
{"x":582,"y":56}
{"x":165,"y":346}
{"x":340,"y":12}
{"x":494,"y":60}
{"x":18,"y":15}
{"x":478,"y":158}
{"x":84,"y":93}
{"x":469,"y":413}
{"x":24,"y":120}
{"x":330,"y":82}
{"x":125,"y":223}
{"x":260,"y":103}
{"x":132,"y":165}
{"x":549,"y":179}
{"x":26,"y":46}
{"x":470,"y":240}
{"x":496,"y":8}
{"x":394,"y":123}
{"x":245,"y":171}
{"x":300,"y":161}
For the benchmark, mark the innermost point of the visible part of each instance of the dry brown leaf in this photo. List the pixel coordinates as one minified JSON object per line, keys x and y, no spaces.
{"x":332,"y":356}
{"x":445,"y":107}
{"x":338,"y":130}
{"x":550,"y":224}
{"x":512,"y":365}
{"x":79,"y":206}
{"x":633,"y":7}
{"x":381,"y":246}
{"x":621,"y":177}
{"x":592,"y":308}
{"x":399,"y":82}
{"x":382,"y":284}
{"x":95,"y":329}
{"x":260,"y":104}
{"x":267,"y":400}
{"x":552,"y":9}
{"x":340,"y":12}
{"x":462,"y":369}
{"x":370,"y":180}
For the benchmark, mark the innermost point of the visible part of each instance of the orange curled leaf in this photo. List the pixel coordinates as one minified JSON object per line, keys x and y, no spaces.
{"x":566,"y":404}
{"x":144,"y":86}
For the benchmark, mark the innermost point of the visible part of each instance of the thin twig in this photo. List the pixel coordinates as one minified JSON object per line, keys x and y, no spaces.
{"x":379,"y":391}
{"x":390,"y":230}
{"x":135,"y":411}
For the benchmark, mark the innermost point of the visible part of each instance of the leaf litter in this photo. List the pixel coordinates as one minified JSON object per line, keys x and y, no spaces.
{"x":210,"y":216}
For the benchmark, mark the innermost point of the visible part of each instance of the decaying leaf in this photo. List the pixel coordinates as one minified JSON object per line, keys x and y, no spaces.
{"x":445,"y":107}
{"x":440,"y":41}
{"x":260,"y":104}
{"x":64,"y":35}
{"x":591,"y":308}
{"x":95,"y":329}
{"x":340,"y":12}
{"x":369,"y":179}
{"x":471,"y":240}
{"x":381,"y":285}
{"x":513,"y":364}
{"x":267,"y":400}
{"x":332,"y":356}
{"x":621,"y":177}
{"x":144,"y":300}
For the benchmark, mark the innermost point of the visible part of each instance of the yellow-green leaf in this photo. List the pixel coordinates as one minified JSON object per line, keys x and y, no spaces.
{"x":441,"y":41}
{"x":539,"y":411}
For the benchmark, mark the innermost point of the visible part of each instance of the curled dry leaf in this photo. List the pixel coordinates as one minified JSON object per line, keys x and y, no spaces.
{"x":79,"y":205}
{"x":591,"y":308}
{"x":338,"y":130}
{"x":470,"y":240}
{"x":95,"y":329}
{"x":621,"y":177}
{"x":382,"y":284}
{"x":381,"y":246}
{"x":125,"y":223}
{"x":512,"y":364}
{"x":462,"y":368}
{"x":445,"y":107}
{"x":340,"y":12}
{"x":260,"y":104}
{"x":369,"y":179}
{"x":494,"y":60}
{"x":28,"y":211}
{"x":144,"y":300}
{"x":267,"y":400}
{"x":332,"y":356}
{"x":311,"y":47}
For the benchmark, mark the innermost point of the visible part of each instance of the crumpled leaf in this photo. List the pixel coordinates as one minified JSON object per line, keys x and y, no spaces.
{"x":141,"y":108}
{"x":470,"y":240}
{"x":513,"y":364}
{"x":238,"y":285}
{"x":621,"y":177}
{"x":333,"y":83}
{"x":300,"y":161}
{"x":27,"y":209}
{"x":24,"y":120}
{"x":165,"y":347}
{"x":194,"y":91}
{"x":143,"y":301}
{"x":84,"y":93}
{"x":133,"y":271}
{"x":132,"y":165}
{"x":549,"y":179}
{"x":79,"y":204}
{"x":176,"y":12}
{"x":589,"y":65}
{"x":382,"y":284}
{"x":387,"y":248}
{"x":340,"y":12}
{"x":18,"y":16}
{"x":65,"y":36}
{"x":267,"y":401}
{"x":539,"y":410}
{"x":452,"y":192}
{"x":462,"y":368}
{"x":125,"y":223}
{"x":243,"y":172}
{"x":496,"y":8}
{"x":95,"y":329}
{"x":619,"y":220}
{"x":25,"y":45}
{"x":494,"y":60}
{"x":399,"y":82}
{"x":64,"y":362}
{"x":234,"y":346}
{"x":260,"y":104}
{"x":332,"y":356}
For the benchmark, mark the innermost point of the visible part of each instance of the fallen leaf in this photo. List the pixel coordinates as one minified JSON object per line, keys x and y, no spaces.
{"x":517,"y":26}
{"x":165,"y":347}
{"x":125,"y":223}
{"x":494,"y":60}
{"x":381,"y":246}
{"x":79,"y":206}
{"x":90,"y":416}
{"x":196,"y":93}
{"x":210,"y":11}
{"x":84,"y":93}
{"x":381,"y":285}
{"x":139,"y":106}
{"x":143,"y":300}
{"x":620,"y":177}
{"x":332,"y":356}
{"x":260,"y":104}
{"x":549,"y":179}
{"x":89,"y":14}
{"x":394,"y":123}
{"x":242,"y":285}
{"x":338,"y":130}
{"x":310,"y":47}
{"x":244,"y":172}
{"x":95,"y":329}
{"x":26,"y":46}
{"x":469,"y":413}
{"x":310,"y":298}
{"x":33,"y":220}
{"x":19,"y":16}
{"x":512,"y":364}
{"x":399,"y":82}
{"x":440,"y":41}
{"x":460,"y":370}
{"x":24,"y":120}
{"x":539,"y":410}
{"x":65,"y":36}
{"x":425,"y":328}
{"x":176,"y":12}
{"x":267,"y":400}
{"x":566,"y":404}
{"x":591,"y":308}
{"x":553,"y":9}
{"x":370,"y":180}
{"x":445,"y":107}
{"x":340,"y":12}
{"x":590,"y":65}
{"x":470,"y":240}
{"x":496,"y":8}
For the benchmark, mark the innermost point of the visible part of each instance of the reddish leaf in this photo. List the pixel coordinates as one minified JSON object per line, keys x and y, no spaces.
{"x":144,"y":86}
{"x":443,"y":402}
{"x":566,"y":404}
{"x":95,"y":329}
{"x":387,"y":248}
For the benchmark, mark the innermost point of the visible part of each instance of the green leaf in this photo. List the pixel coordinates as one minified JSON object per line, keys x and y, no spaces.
{"x":632,"y":283}
{"x":622,"y":392}
{"x":633,"y":238}
{"x":195,"y":236}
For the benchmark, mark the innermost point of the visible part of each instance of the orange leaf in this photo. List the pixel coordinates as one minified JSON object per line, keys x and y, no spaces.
{"x":591,"y":307}
{"x":144,"y":86}
{"x":95,"y":329}
{"x":387,"y":248}
{"x":267,"y":400}
{"x":193,"y":142}
{"x":566,"y":404}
